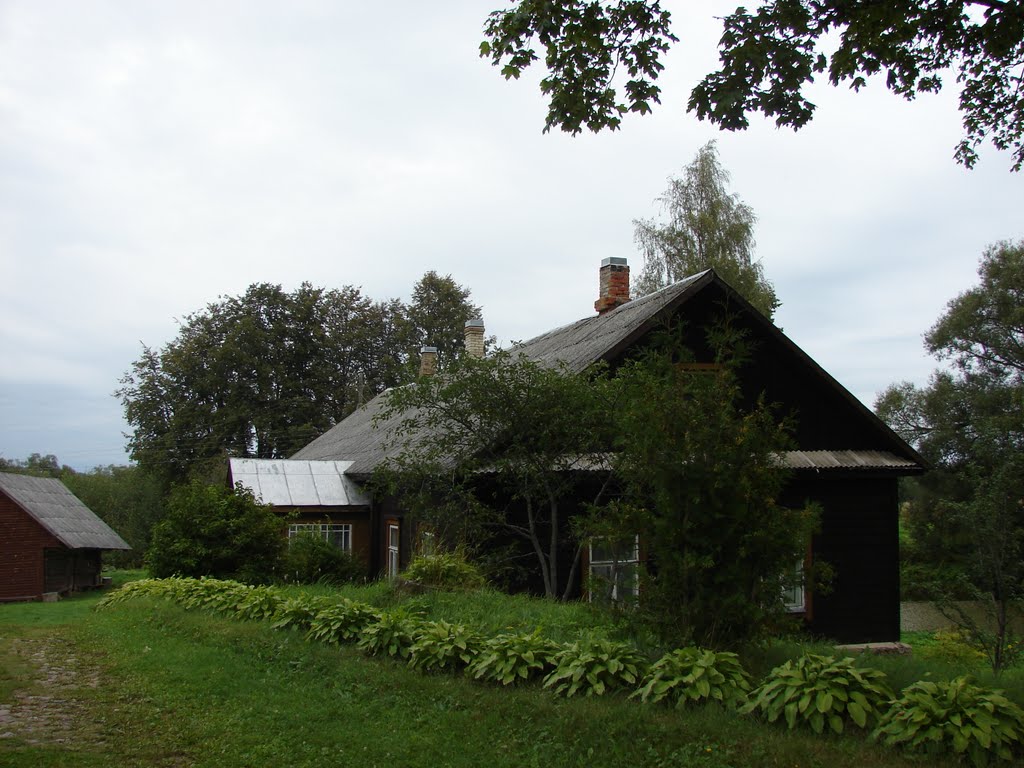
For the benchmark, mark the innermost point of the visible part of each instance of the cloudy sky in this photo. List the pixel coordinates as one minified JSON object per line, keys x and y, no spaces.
{"x":156,"y":155}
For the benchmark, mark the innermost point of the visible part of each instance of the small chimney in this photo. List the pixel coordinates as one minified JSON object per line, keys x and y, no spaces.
{"x":475,"y":337}
{"x":614,"y":284}
{"x":428,"y":361}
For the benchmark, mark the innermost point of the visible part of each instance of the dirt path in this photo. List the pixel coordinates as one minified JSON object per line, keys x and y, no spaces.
{"x":50,"y":710}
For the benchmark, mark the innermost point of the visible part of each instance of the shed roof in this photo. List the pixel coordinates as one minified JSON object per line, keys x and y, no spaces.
{"x":49,"y":502}
{"x":291,"y":483}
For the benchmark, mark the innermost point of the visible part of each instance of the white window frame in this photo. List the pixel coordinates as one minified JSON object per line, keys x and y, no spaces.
{"x":394,"y":545}
{"x":795,"y":597}
{"x":339,"y":534}
{"x":614,"y":565}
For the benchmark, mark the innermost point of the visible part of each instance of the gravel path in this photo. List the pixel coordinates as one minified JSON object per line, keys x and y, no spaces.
{"x":50,"y":711}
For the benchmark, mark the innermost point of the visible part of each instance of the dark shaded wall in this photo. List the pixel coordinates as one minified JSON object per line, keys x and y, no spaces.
{"x":859,"y":540}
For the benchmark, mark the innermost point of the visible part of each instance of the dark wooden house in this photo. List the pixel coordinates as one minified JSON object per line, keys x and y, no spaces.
{"x":50,"y":542}
{"x":848,"y":461}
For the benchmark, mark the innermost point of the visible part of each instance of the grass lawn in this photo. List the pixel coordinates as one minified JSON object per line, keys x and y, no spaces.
{"x":153,"y":685}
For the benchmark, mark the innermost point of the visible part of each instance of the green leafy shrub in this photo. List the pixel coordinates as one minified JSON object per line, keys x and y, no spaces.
{"x":444,"y":570}
{"x":950,"y":646}
{"x":393,"y":634}
{"x":441,"y":645}
{"x":512,"y":658}
{"x":343,"y":621}
{"x":258,"y":604}
{"x":934,"y":718}
{"x":312,"y":559}
{"x":210,"y":530}
{"x":299,"y":612}
{"x":695,"y":675}
{"x":815,"y":690}
{"x":594,"y":666}
{"x":133,"y":590}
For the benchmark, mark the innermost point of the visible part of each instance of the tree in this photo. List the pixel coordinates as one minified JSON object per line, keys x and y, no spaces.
{"x":494,"y":447}
{"x":210,"y":530}
{"x":767,"y":57}
{"x":700,"y":470}
{"x":707,"y":227}
{"x":438,"y":313}
{"x":262,"y":374}
{"x":968,"y":512}
{"x":36,"y":464}
{"x":127,"y":499}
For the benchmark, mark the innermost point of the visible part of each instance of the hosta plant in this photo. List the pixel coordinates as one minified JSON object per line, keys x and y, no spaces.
{"x":440,"y":645}
{"x":694,"y":676}
{"x":258,"y":604}
{"x":299,"y":612}
{"x":978,"y":723}
{"x":511,"y":658}
{"x":341,"y":622}
{"x":594,"y":666}
{"x":819,"y":690}
{"x":393,"y":634}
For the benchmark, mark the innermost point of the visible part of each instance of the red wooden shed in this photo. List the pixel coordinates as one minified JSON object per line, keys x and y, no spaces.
{"x":49,"y":540}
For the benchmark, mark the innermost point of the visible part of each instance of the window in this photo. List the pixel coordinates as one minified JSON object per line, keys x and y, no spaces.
{"x":795,"y":596}
{"x":338,"y":534}
{"x":614,"y":571}
{"x":393,"y":561}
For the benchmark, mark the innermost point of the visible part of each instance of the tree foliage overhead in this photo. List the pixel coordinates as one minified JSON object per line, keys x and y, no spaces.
{"x":262,"y":374}
{"x":769,"y":55}
{"x":967,"y":514}
{"x":705,"y":227}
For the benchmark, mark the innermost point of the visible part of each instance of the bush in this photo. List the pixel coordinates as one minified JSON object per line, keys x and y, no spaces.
{"x":440,"y":645}
{"x":934,"y":718}
{"x":593,"y":666}
{"x":444,"y":570}
{"x":311,"y":559}
{"x":393,"y":634}
{"x":512,"y":658}
{"x":950,"y":646}
{"x":816,"y":690}
{"x":215,"y":531}
{"x":694,"y":675}
{"x":342,"y":622}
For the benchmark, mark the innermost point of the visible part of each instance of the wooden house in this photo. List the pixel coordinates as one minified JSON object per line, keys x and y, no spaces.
{"x":315,"y":497}
{"x":847,"y":460}
{"x":50,"y":542}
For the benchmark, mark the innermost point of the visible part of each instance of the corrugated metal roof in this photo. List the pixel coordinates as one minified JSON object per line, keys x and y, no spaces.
{"x":291,"y":483}
{"x":53,"y":506}
{"x":847,"y":460}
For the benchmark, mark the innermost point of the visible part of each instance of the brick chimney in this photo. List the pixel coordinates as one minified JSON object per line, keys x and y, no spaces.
{"x":428,"y":361}
{"x":614,"y":284}
{"x":475,"y":337}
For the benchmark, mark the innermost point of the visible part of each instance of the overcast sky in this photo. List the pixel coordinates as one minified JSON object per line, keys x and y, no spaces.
{"x":156,"y":155}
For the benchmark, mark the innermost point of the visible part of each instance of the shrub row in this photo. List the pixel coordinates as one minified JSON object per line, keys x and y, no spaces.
{"x":818,"y":692}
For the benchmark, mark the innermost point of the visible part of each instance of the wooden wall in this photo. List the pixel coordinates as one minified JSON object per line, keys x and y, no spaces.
{"x":22,"y":544}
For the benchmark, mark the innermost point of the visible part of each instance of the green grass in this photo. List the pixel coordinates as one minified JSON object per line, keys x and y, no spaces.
{"x":187,"y":688}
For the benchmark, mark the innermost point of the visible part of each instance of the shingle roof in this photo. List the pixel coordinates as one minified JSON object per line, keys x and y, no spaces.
{"x":581,"y":344}
{"x":356,"y":439}
{"x":288,"y":483}
{"x":53,"y":506}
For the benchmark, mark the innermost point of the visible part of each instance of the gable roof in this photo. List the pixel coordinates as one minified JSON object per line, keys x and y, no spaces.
{"x":55,"y":508}
{"x":288,"y":483}
{"x":604,"y":337}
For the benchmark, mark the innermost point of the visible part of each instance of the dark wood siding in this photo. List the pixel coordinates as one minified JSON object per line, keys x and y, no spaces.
{"x":859,"y":540}
{"x":22,"y":542}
